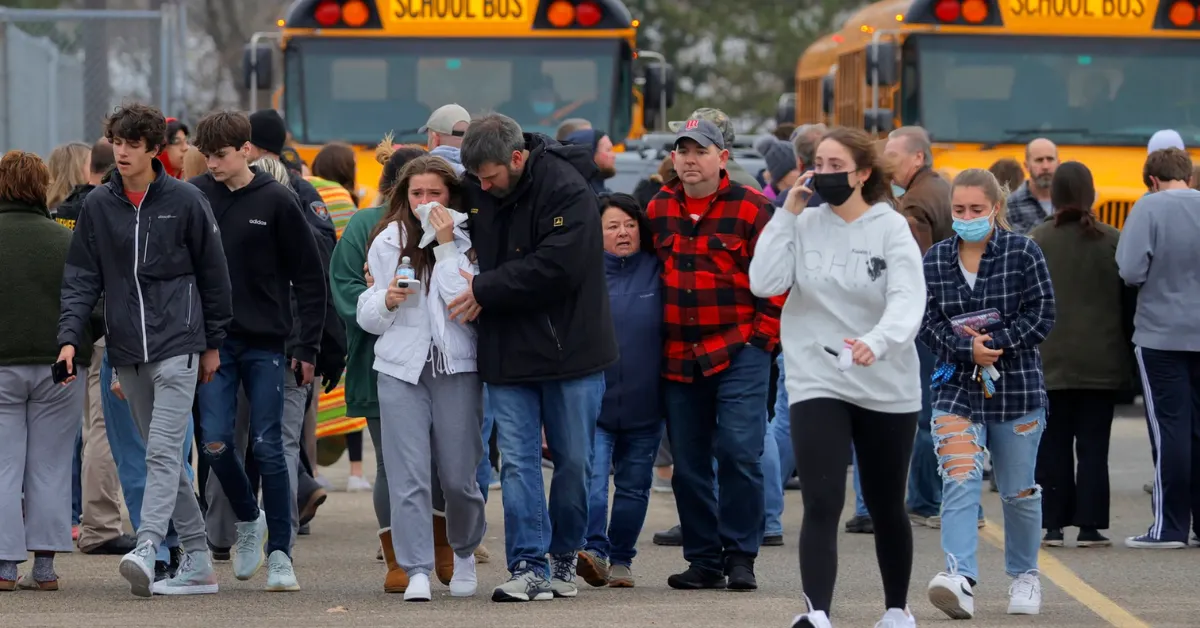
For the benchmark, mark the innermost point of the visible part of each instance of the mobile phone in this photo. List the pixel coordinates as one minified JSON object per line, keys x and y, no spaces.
{"x":59,"y":372}
{"x":414,"y":285}
{"x":299,"y":373}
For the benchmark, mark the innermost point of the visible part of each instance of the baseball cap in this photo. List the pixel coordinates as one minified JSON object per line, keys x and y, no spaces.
{"x":716,"y":116}
{"x":444,"y":118}
{"x":1166,"y":138}
{"x":702,"y":132}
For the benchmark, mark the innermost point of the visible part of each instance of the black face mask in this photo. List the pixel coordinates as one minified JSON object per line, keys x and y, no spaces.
{"x":834,"y":187}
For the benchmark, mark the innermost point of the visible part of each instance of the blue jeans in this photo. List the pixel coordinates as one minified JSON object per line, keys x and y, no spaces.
{"x":1013,"y":446}
{"x":260,"y":373}
{"x":723,"y":415}
{"x":568,"y":410}
{"x":631,"y":454}
{"x":129,"y":455}
{"x":772,"y":487}
{"x":77,"y":478}
{"x":483,"y":474}
{"x":860,"y":507}
{"x":924,"y":484}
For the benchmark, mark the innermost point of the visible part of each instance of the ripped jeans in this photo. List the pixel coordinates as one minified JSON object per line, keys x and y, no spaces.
{"x":960,"y":445}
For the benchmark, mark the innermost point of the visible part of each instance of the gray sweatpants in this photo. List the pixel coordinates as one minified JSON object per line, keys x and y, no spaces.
{"x":220,"y":516}
{"x":440,"y":418}
{"x":160,"y":398}
{"x":38,"y":421}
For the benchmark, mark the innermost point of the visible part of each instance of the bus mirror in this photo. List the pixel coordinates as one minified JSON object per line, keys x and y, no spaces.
{"x":827,"y":83}
{"x":785,"y":111}
{"x":257,"y":66}
{"x":881,"y":64}
{"x":659,"y":86}
{"x":878,"y":120}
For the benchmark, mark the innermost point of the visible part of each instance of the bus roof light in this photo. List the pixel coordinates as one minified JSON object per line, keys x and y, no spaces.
{"x":327,"y":13}
{"x":947,"y":10}
{"x":355,"y":13}
{"x":561,"y":14}
{"x":1182,"y":14}
{"x":588,"y":14}
{"x":974,"y":11}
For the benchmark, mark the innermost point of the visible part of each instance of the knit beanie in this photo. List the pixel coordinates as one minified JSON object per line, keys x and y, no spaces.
{"x":267,"y":131}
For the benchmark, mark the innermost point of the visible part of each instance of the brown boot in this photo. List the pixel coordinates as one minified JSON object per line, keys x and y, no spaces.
{"x":443,"y":554}
{"x":397,"y":580}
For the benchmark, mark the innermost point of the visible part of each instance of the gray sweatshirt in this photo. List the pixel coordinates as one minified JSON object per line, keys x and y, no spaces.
{"x":1158,"y":252}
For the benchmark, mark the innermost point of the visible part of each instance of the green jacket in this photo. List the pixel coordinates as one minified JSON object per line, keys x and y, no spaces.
{"x":346,"y":282}
{"x":33,"y":251}
{"x":1090,"y":347}
{"x":738,"y":174}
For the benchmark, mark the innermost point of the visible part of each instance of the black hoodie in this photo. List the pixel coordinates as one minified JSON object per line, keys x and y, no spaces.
{"x":269,"y":245}
{"x":541,"y":260}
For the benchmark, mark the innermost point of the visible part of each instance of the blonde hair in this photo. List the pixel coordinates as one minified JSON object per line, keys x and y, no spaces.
{"x":993,"y":190}
{"x":69,"y":165}
{"x":275,"y":168}
{"x":194,"y":164}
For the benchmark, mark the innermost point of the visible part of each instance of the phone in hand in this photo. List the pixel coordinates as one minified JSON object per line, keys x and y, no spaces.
{"x":59,"y":372}
{"x":299,"y":373}
{"x":415,"y":286}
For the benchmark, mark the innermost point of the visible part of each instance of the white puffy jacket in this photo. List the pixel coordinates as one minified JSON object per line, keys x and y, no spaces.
{"x":406,"y":333}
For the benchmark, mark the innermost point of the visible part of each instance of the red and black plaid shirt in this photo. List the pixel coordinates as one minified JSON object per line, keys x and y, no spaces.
{"x":709,"y":312}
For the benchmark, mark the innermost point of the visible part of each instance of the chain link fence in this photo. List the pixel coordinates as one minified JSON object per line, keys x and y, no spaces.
{"x":63,"y":71}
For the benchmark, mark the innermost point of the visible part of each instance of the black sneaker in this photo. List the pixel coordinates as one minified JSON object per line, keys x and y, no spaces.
{"x":162,"y":571}
{"x":669,"y":538}
{"x":1053,"y":538}
{"x":773,"y":540}
{"x":118,"y":546}
{"x":1091,"y":537}
{"x":860,"y":525}
{"x":740,"y":571}
{"x":219,"y":554}
{"x":694,"y":578}
{"x":177,"y":555}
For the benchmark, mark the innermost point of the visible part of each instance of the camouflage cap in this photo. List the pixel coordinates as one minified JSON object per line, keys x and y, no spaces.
{"x":716,"y":116}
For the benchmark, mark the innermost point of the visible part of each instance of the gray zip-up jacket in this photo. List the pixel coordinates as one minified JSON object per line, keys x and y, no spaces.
{"x":161,"y":268}
{"x":1158,"y":253}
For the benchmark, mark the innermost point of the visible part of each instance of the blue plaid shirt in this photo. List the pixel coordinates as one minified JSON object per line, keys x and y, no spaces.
{"x":1024,"y":210}
{"x":1014,"y":279}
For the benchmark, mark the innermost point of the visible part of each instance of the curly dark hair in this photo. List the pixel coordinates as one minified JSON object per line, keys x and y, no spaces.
{"x":138,"y":122}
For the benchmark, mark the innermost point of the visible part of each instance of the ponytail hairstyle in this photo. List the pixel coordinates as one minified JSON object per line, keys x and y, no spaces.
{"x":995,"y":193}
{"x":393,"y":157}
{"x":866,"y":155}
{"x":1072,"y":193}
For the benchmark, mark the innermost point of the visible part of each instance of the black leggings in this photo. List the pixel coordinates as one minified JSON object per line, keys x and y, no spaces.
{"x":354,"y":446}
{"x":822,"y":432}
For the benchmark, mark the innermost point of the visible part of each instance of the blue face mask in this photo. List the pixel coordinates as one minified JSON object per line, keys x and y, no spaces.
{"x":897,"y":191}
{"x":974,"y":230}
{"x":543,"y":108}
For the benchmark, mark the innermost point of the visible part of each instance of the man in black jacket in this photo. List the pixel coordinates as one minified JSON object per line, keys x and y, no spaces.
{"x":271,"y":251}
{"x":545,"y":337}
{"x":149,"y":243}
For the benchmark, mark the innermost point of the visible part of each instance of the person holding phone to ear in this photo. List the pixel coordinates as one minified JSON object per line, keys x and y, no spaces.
{"x":430,"y":394}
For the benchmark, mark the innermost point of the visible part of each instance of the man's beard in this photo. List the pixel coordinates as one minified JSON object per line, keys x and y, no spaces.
{"x":607,"y":172}
{"x":1043,"y":181}
{"x":514,"y":177}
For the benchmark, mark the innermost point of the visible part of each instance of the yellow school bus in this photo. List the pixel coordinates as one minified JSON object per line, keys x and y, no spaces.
{"x":984,"y":77}
{"x":353,"y":70}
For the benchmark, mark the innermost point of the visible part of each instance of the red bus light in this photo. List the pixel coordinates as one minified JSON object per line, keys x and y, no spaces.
{"x":328,"y":13}
{"x":588,"y":14}
{"x":947,"y":10}
{"x":1182,"y":14}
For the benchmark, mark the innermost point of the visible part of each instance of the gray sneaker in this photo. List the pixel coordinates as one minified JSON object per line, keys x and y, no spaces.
{"x":194,"y":577}
{"x":562,"y":575}
{"x":248,"y":551}
{"x":280,"y":575}
{"x":620,"y":577}
{"x":138,"y":568}
{"x":661,"y":484}
{"x":525,"y":585}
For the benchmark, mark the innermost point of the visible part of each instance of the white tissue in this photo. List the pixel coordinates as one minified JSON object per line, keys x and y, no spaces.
{"x":429,"y":233}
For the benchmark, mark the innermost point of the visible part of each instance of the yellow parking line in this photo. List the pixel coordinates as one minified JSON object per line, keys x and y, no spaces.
{"x":1061,"y":575}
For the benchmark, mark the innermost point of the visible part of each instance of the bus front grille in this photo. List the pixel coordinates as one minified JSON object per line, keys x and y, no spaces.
{"x":1114,"y":212}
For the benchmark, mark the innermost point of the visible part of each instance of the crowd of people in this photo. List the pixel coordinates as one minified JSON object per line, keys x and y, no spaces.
{"x":851,"y":308}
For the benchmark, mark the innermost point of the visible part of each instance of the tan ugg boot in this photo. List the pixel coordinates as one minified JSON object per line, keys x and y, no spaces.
{"x":397,"y":580}
{"x":443,"y":554}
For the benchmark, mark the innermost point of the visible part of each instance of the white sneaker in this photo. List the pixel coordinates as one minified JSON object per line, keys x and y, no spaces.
{"x":418,"y":588}
{"x":951,"y":594}
{"x":812,"y":619}
{"x":1025,"y":594}
{"x":897,"y":618}
{"x":464,"y":582}
{"x":357,"y":484}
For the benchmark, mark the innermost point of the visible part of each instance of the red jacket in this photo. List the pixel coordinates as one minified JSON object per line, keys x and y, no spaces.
{"x":709,"y":313}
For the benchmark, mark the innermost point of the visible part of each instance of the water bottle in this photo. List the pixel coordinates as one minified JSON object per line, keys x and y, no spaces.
{"x":405,"y":271}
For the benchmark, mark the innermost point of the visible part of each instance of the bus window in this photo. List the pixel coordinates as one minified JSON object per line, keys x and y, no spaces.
{"x":355,"y":91}
{"x":982,"y":89}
